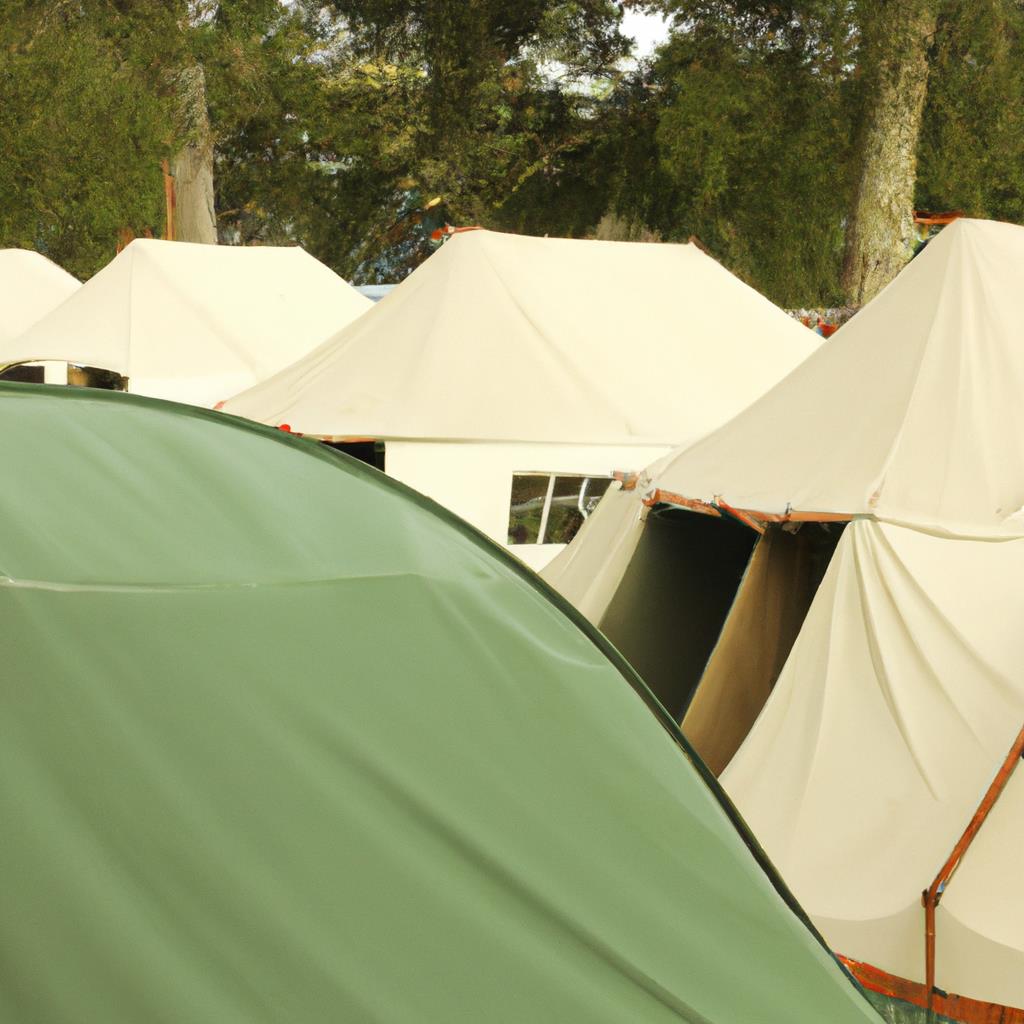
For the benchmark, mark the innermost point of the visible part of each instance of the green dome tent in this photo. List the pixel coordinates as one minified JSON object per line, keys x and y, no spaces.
{"x":281,"y":741}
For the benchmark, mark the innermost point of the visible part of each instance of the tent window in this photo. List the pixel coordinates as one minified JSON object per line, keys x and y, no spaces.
{"x":548,"y":508}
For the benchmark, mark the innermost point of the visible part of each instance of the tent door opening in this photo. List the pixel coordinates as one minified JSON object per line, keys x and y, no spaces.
{"x":668,"y":611}
{"x":785,"y":570}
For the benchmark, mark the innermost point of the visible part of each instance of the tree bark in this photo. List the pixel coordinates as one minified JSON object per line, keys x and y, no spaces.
{"x":880,"y":231}
{"x":195,"y":219}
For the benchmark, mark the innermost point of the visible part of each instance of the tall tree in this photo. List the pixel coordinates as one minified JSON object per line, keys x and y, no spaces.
{"x":195,"y":219}
{"x":879,"y":235}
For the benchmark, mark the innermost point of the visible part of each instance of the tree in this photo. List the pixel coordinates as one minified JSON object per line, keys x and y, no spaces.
{"x":971,"y":153}
{"x":747,"y":114}
{"x":879,"y":235}
{"x":83,"y":128}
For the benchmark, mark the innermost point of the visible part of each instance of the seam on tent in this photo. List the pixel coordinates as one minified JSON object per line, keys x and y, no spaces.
{"x":153,"y":587}
{"x":356,"y":468}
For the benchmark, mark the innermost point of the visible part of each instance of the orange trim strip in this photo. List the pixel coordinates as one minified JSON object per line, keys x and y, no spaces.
{"x":628,"y":480}
{"x":948,"y":1004}
{"x":933,"y":894}
{"x":742,"y":516}
{"x":668,"y":498}
{"x":747,"y":514}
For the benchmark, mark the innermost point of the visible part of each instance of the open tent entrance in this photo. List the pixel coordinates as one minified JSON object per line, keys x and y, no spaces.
{"x":52,"y":371}
{"x":785,"y":570}
{"x":96,"y":377}
{"x":368,"y":451}
{"x":668,"y":611}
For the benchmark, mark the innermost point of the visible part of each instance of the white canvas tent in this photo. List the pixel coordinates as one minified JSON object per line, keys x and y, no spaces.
{"x":506,"y":355}
{"x":30,"y":286}
{"x":910,"y":412}
{"x":901,"y":696}
{"x":193,"y":323}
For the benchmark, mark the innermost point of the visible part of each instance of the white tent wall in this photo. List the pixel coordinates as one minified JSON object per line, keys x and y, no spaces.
{"x":474,"y":479}
{"x":900,"y":700}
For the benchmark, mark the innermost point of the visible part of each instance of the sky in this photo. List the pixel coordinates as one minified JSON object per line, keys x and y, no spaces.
{"x":647,"y":29}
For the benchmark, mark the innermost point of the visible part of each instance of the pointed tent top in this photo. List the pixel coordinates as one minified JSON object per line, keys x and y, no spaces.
{"x":194,"y":322}
{"x":30,"y":287}
{"x":513,"y":338}
{"x":911,"y":412}
{"x":223,"y":760}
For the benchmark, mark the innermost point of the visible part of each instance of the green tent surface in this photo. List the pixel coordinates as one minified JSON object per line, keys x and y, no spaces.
{"x":282,"y":742}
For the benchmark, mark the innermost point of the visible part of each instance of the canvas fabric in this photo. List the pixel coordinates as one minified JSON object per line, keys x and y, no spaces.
{"x":194,"y":323}
{"x":500,"y":337}
{"x":910,"y":412}
{"x":900,"y":700}
{"x":30,"y":287}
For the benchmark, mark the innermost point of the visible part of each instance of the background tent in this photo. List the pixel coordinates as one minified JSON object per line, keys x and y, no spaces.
{"x":194,"y":322}
{"x":900,"y":700}
{"x":256,"y":771}
{"x":507,"y":370}
{"x":30,"y":286}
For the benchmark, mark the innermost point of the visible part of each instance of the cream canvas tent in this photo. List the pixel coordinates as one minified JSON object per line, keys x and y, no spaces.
{"x":910,"y":412}
{"x":898,"y":701}
{"x":30,"y":286}
{"x":508,"y":372}
{"x":193,"y":322}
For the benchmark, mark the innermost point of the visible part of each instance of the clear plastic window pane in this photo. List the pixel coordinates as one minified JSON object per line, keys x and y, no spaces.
{"x":573,"y":499}
{"x":526,"y":507}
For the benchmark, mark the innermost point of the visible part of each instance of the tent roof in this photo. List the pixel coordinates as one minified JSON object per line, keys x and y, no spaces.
{"x":510,"y":338}
{"x":30,"y":286}
{"x":194,"y":322}
{"x":900,"y":699}
{"x":912,"y":411}
{"x":253,"y":772}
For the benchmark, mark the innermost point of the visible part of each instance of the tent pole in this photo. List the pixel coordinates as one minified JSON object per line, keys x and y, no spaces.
{"x":931,"y":896}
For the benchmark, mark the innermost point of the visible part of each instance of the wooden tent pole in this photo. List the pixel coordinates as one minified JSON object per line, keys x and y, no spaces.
{"x":168,"y":200}
{"x":931,"y":896}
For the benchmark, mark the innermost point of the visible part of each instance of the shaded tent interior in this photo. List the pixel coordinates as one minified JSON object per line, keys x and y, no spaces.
{"x":77,"y":376}
{"x":782,"y":576}
{"x":707,"y":612}
{"x":369,"y":451}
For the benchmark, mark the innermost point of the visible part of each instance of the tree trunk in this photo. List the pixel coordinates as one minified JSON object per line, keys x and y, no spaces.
{"x":880,"y":232}
{"x":192,"y":167}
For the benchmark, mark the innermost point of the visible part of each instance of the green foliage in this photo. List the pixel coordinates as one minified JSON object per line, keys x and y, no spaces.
{"x":971,"y":155}
{"x":83,"y":128}
{"x":755,"y":107}
{"x":354,"y":127}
